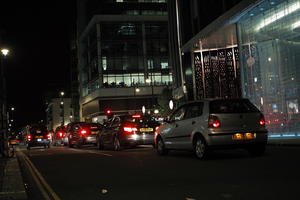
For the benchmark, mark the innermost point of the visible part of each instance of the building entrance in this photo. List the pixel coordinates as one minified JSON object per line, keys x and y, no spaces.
{"x":217,"y":73}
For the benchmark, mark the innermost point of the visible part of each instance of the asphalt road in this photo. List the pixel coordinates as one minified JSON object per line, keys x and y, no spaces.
{"x":141,"y":174}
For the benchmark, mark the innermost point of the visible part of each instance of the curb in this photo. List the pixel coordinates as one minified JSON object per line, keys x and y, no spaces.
{"x":13,"y":186}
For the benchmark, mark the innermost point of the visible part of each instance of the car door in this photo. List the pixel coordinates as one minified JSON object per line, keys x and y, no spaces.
{"x":190,"y":123}
{"x":106,"y":131}
{"x":170,"y":132}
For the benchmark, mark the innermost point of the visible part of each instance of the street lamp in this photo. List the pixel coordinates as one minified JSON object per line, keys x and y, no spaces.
{"x":5,"y":52}
{"x":62,"y":108}
{"x":149,"y":81}
{"x":3,"y":114}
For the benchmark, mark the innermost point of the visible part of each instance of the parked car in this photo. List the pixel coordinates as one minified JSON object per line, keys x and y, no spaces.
{"x":127,"y":130}
{"x":83,"y":133}
{"x":38,"y":136}
{"x":58,"y":135}
{"x":211,"y":124}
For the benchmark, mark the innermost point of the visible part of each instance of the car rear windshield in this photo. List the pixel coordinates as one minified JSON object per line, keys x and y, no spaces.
{"x":91,"y":126}
{"x":232,"y":106}
{"x":141,"y":120}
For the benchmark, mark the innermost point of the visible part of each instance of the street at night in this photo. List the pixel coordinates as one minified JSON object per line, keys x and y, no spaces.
{"x":150,"y":100}
{"x":141,"y":174}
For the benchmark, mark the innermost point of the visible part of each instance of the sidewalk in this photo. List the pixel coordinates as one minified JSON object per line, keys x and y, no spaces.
{"x":11,"y":181}
{"x":284,"y":141}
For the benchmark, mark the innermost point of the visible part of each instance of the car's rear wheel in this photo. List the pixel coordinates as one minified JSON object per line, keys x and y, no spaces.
{"x":161,"y":149}
{"x":116,"y":144}
{"x":257,"y":149}
{"x":79,"y":144}
{"x":200,"y":148}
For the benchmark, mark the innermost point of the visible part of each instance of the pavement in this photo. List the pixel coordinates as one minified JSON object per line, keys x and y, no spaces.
{"x":12,"y":185}
{"x":11,"y":181}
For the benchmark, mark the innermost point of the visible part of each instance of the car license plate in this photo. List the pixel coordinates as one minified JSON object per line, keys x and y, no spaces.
{"x":146,"y":129}
{"x":244,"y":136}
{"x":38,"y":136}
{"x":94,"y":132}
{"x":39,"y":140}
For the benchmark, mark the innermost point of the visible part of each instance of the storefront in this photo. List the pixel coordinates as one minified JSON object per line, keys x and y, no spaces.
{"x":253,"y":51}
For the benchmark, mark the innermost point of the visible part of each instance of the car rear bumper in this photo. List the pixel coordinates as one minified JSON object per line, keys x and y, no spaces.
{"x":140,"y":139}
{"x":38,"y":143}
{"x":90,"y":140}
{"x":227,"y":139}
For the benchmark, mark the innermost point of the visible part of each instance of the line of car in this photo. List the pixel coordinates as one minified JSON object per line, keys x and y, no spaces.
{"x":199,"y":126}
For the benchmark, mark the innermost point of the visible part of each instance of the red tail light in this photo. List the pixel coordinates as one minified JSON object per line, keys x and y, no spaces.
{"x":48,"y":136}
{"x":29,"y":137}
{"x":129,"y":129}
{"x":60,"y":134}
{"x":213,"y":122}
{"x":136,"y":116}
{"x":83,"y":132}
{"x":262,"y":120}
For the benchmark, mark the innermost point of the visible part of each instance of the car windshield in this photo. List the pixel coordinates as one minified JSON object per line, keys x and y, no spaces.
{"x":140,"y":119}
{"x":232,"y":106}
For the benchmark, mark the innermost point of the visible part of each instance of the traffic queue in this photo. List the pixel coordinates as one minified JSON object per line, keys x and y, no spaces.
{"x":199,"y":126}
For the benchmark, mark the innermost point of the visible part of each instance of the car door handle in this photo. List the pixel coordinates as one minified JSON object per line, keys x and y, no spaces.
{"x":193,"y":122}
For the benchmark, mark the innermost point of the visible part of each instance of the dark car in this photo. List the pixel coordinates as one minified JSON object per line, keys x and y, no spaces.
{"x":83,"y":133}
{"x":58,"y":135}
{"x":127,"y":130}
{"x":38,"y":136}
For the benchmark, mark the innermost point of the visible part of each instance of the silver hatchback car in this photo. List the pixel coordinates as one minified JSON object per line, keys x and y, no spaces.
{"x":213,"y":124}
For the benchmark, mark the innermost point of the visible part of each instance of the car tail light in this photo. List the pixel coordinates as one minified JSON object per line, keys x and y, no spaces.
{"x":213,"y":122}
{"x":136,"y":116}
{"x":83,"y":132}
{"x":48,"y":136}
{"x":156,"y":129}
{"x":29,"y":137}
{"x":129,"y":129}
{"x":60,"y":134}
{"x":262,"y":120}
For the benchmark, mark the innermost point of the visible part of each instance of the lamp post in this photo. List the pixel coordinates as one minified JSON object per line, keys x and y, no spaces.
{"x":3,"y":114}
{"x":62,"y":108}
{"x":149,"y":81}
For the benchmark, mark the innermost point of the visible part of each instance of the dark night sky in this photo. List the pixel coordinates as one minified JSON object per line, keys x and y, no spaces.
{"x":38,"y":34}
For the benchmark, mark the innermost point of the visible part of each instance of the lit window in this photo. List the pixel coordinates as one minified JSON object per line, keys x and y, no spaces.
{"x":164,"y":64}
{"x":104,"y":63}
{"x":150,"y":64}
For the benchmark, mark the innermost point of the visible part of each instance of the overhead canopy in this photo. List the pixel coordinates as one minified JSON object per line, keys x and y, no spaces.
{"x":217,"y":29}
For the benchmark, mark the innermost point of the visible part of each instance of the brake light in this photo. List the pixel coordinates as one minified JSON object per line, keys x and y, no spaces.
{"x":136,"y":116}
{"x":213,"y":122}
{"x":48,"y":136}
{"x":83,"y":132}
{"x":29,"y":137}
{"x":60,"y":134}
{"x":128,"y":129}
{"x":262,"y":120}
{"x":156,"y":129}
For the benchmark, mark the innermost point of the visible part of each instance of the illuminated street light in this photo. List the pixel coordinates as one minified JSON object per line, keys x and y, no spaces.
{"x":12,"y":108}
{"x":61,"y":103}
{"x":4,"y":52}
{"x":137,"y":89}
{"x":62,"y":93}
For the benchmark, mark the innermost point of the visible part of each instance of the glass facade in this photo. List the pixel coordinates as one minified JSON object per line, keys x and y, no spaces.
{"x":129,"y":53}
{"x":269,"y":42}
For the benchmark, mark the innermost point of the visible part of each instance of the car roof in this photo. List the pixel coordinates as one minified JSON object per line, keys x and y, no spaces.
{"x":212,"y":99}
